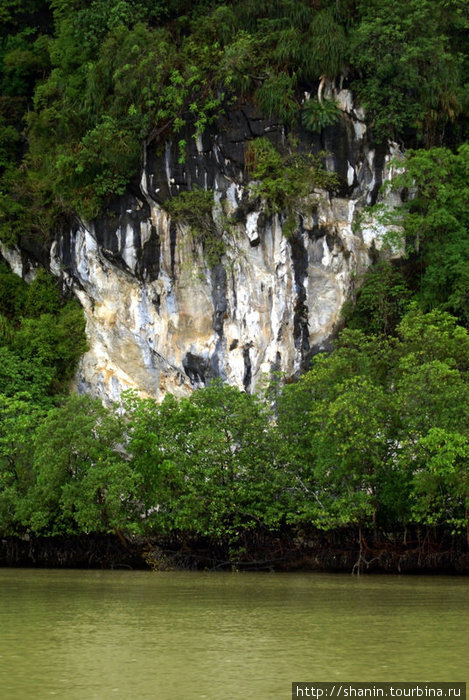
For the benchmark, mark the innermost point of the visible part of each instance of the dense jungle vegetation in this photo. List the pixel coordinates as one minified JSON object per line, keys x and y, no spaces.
{"x":375,"y":434}
{"x":82,"y":84}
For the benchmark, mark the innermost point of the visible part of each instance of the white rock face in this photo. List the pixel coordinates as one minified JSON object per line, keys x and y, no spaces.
{"x":14,"y":258}
{"x":277,"y":303}
{"x":270,"y":305}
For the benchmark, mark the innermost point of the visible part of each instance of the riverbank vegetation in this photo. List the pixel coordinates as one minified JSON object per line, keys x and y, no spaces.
{"x":372,"y":441}
{"x":373,"y":437}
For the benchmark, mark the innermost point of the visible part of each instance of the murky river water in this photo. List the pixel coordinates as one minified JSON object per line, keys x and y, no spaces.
{"x":88,"y":634}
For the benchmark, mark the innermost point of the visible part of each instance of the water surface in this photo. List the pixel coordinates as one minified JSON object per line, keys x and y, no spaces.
{"x":114,"y":634}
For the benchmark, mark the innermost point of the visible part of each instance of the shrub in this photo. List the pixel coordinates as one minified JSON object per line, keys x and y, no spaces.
{"x":281,"y":180}
{"x":316,"y":115}
{"x":194,"y":209}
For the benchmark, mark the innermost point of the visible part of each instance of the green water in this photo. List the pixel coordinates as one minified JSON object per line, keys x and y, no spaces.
{"x":74,"y":634}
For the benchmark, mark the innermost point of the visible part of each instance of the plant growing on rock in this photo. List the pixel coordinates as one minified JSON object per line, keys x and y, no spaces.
{"x":194,"y":209}
{"x":433,"y":226}
{"x":282,"y":180}
{"x":317,"y":114}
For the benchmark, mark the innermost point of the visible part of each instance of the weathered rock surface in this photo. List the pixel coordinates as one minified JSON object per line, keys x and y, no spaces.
{"x":159,"y":318}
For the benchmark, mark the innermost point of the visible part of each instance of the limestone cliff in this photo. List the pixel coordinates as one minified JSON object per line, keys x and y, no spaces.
{"x":160,"y":318}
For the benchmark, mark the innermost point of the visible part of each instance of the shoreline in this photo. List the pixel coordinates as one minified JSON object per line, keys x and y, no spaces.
{"x":117,"y":552}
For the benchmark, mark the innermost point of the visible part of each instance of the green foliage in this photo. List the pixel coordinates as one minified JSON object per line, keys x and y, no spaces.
{"x":56,"y":341}
{"x":84,"y":86}
{"x":13,"y":293}
{"x":19,"y":417}
{"x":193,"y":208}
{"x":375,"y":434}
{"x":97,"y":107}
{"x":83,"y":483}
{"x":327,"y":44}
{"x":316,"y":115}
{"x":276,"y":97}
{"x":9,"y":140}
{"x":435,"y":224}
{"x":25,"y":59}
{"x":207,"y":462}
{"x":441,"y":483}
{"x":282,"y":180}
{"x":382,"y":300}
{"x":354,"y":427}
{"x":19,"y":375}
{"x":42,"y":295}
{"x":411,"y":61}
{"x":41,"y":337}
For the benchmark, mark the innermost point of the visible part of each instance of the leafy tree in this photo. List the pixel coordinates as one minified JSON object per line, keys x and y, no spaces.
{"x":410,"y":59}
{"x":41,"y":337}
{"x":352,"y":446}
{"x":432,"y":336}
{"x":236,"y":451}
{"x":351,"y":427}
{"x":55,"y":341}
{"x":435,"y":224}
{"x":42,"y":295}
{"x":381,"y":301}
{"x":156,"y":443}
{"x":206,"y":463}
{"x":441,"y":480}
{"x":19,"y":417}
{"x":19,"y":376}
{"x":84,"y":482}
{"x":13,"y":293}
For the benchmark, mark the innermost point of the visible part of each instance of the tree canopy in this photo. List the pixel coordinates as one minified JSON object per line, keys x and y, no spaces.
{"x":83,"y":85}
{"x":375,"y":434}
